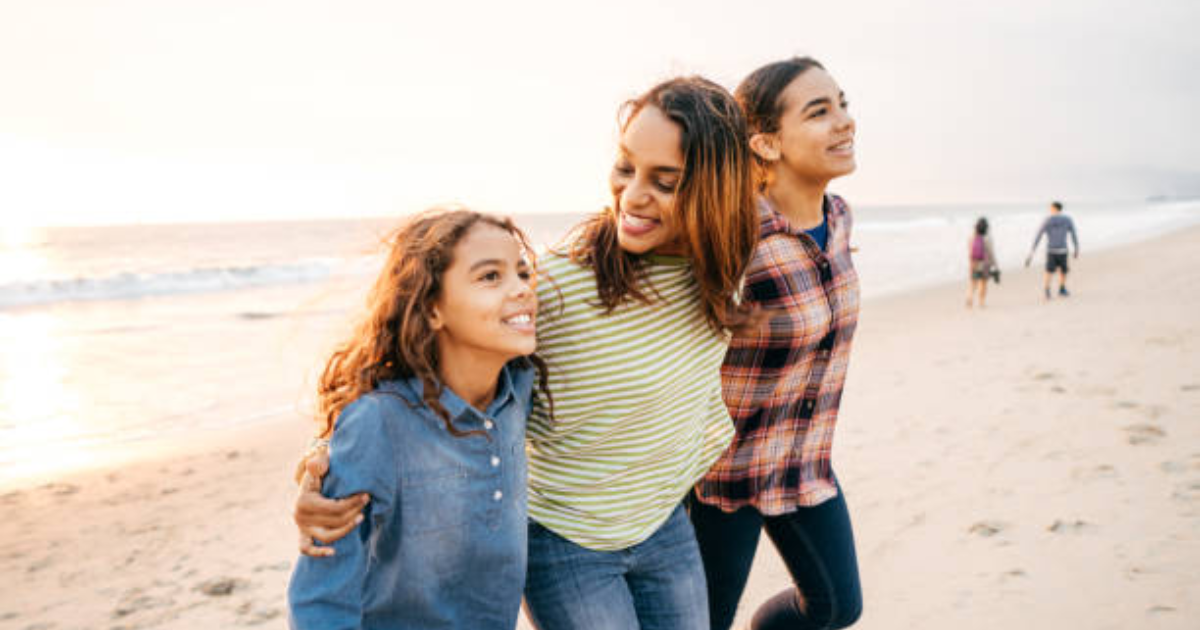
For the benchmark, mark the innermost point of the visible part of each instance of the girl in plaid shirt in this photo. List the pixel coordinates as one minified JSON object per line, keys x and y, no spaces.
{"x":783,"y":382}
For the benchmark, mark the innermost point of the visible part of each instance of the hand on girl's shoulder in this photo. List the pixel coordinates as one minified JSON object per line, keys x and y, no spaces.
{"x":361,"y":450}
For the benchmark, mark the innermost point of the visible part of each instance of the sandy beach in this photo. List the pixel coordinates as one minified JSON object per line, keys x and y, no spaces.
{"x":1033,"y":463}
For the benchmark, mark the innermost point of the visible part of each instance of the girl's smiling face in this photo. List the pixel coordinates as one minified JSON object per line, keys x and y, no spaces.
{"x":644,"y":182}
{"x":486,"y":310}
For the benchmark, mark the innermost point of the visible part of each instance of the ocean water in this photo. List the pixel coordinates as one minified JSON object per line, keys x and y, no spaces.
{"x":905,"y":248}
{"x":118,"y":336}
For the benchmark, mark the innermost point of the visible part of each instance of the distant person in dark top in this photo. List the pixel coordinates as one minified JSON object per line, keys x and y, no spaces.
{"x":1056,"y":228}
{"x":982,"y":263}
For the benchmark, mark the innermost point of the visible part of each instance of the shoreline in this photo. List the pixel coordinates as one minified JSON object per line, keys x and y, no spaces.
{"x":310,"y":321}
{"x":1032,"y":463}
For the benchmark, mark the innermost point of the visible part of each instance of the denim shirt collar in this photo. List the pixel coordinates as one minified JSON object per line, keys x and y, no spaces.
{"x":412,"y":389}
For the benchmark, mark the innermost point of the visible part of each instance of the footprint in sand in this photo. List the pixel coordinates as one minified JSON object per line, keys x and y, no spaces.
{"x":134,"y":602}
{"x":1013,"y":574}
{"x":1136,"y":572}
{"x":1172,"y":468}
{"x":278,"y":566}
{"x":255,"y":315}
{"x":1045,"y":376}
{"x":39,"y":565}
{"x":1101,"y":471}
{"x":1144,"y":433}
{"x":987,"y":529}
{"x":221,"y":587}
{"x":60,"y":489}
{"x":1078,"y":526}
{"x":1154,"y":412}
{"x":253,"y":616}
{"x":1158,"y":610}
{"x":10,"y":498}
{"x":1190,"y":387}
{"x":1187,"y":492}
{"x":1125,"y":404}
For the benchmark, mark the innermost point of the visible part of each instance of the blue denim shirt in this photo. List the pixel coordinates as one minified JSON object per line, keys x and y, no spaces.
{"x":443,"y":544}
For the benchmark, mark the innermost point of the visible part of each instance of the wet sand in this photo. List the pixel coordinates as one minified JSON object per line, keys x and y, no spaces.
{"x":1034,"y":463}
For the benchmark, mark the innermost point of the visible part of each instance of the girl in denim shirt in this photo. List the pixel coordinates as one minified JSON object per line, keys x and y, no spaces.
{"x":637,"y":308}
{"x":429,"y":398}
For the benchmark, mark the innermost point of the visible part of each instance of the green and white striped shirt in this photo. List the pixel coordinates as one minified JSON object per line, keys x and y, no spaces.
{"x":638,"y":414}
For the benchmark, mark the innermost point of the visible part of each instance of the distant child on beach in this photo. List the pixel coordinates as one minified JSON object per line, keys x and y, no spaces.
{"x":982,"y":262}
{"x":1056,"y":227}
{"x":430,"y":398}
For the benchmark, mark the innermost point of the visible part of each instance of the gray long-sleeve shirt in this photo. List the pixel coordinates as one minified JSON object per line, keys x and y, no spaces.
{"x":1056,"y":227}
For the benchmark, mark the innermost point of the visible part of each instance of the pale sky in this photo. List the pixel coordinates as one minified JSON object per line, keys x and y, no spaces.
{"x":184,"y":110}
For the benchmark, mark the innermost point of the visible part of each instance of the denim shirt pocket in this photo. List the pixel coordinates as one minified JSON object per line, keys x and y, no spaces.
{"x":436,"y":500}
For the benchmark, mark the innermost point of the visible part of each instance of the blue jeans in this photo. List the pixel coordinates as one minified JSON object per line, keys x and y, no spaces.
{"x":817,"y":545}
{"x":657,"y":584}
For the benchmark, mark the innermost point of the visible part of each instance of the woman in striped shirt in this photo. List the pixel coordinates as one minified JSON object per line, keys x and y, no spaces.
{"x":633,"y":329}
{"x":783,"y":382}
{"x":633,"y":325}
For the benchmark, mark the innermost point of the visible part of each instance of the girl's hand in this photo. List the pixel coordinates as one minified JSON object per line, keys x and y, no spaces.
{"x":754,"y":319}
{"x":317,"y":517}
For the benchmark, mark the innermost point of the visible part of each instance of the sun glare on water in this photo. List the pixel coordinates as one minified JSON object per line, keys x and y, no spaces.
{"x":41,"y":429}
{"x":19,"y":259}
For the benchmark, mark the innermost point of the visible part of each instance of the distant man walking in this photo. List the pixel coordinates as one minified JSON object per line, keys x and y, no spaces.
{"x":1056,"y":227}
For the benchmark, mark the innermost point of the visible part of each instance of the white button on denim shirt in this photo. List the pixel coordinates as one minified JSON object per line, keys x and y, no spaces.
{"x":444,"y":540}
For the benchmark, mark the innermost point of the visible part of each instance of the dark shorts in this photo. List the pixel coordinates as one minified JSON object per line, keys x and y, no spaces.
{"x":1054,"y":262}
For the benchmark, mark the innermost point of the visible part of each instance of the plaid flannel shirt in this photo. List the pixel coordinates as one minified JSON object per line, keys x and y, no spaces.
{"x":783,"y":382}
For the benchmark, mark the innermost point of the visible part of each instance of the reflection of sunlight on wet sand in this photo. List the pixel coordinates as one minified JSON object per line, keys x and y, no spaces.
{"x":40,"y":414}
{"x":17,"y":260}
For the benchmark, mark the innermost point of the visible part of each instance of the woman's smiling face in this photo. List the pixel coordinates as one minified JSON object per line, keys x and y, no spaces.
{"x":644,"y":182}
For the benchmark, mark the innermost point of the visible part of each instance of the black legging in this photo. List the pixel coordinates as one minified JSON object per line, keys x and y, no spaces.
{"x":816,"y":544}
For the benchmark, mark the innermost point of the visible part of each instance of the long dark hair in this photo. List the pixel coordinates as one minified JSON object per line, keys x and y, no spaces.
{"x":714,"y":203}
{"x":395,"y":338}
{"x":981,"y":226}
{"x":760,"y":95}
